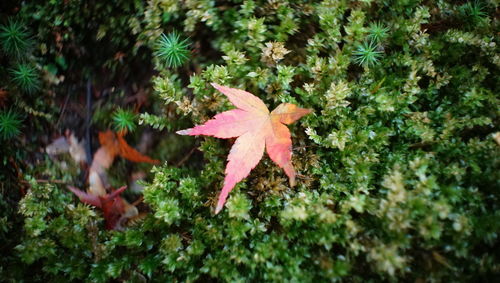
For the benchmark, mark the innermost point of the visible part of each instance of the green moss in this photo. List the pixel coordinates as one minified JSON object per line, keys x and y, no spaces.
{"x":367,"y":54}
{"x":15,"y":39}
{"x":10,"y":124}
{"x":26,"y":77}
{"x":172,"y":49}
{"x":124,"y":120}
{"x":397,"y":166}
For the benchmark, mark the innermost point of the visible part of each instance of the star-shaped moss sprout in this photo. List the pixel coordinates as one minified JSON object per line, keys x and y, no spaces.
{"x":173,"y":49}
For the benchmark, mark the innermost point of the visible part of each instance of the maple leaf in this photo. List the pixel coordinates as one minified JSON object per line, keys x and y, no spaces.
{"x":112,"y":145}
{"x":112,"y":205}
{"x":255,"y":128}
{"x":115,"y":144}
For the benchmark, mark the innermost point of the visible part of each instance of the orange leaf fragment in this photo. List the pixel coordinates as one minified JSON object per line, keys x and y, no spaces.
{"x":115,"y":144}
{"x":128,"y":152}
{"x":112,"y":145}
{"x":255,"y":128}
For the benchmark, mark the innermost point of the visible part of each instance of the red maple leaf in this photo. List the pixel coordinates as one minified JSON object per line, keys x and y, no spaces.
{"x":112,"y":205}
{"x":255,"y":128}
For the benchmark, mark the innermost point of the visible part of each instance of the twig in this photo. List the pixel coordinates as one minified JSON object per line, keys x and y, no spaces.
{"x":19,"y":174}
{"x":45,"y":181}
{"x":185,"y":158}
{"x":304,"y":146}
{"x":88,"y":146}
{"x":63,"y":109}
{"x":138,"y":201}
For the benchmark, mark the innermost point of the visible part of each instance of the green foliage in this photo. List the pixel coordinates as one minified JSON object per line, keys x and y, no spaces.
{"x":377,"y":32}
{"x":15,"y":38}
{"x":474,"y":13}
{"x":173,"y":50}
{"x":367,"y":54}
{"x":10,"y":124}
{"x":398,"y":166}
{"x":124,"y":120}
{"x":26,"y":77}
{"x":82,"y":39}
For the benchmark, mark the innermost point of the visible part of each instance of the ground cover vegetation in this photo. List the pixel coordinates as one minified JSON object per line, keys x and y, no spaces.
{"x":396,"y":167}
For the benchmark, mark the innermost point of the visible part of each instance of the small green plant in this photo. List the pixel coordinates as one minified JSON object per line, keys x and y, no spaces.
{"x":15,"y":39}
{"x":10,"y":124}
{"x":377,"y":32}
{"x":366,"y":54}
{"x":26,"y":77}
{"x":173,"y":49}
{"x":473,"y":12}
{"x":124,"y":120}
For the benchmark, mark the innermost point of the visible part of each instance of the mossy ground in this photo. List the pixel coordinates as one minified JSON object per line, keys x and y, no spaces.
{"x":398,"y":165}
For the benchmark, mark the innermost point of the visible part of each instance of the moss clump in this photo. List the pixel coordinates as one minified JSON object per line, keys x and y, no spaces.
{"x":10,"y":124}
{"x":26,"y":78}
{"x":15,"y":38}
{"x":124,"y":120}
{"x":172,"y":49}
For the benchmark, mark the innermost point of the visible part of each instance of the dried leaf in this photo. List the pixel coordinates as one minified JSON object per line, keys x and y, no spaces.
{"x":77,"y":150}
{"x":114,"y":208}
{"x":86,"y":198}
{"x":496,"y":136}
{"x":128,"y":152}
{"x":96,"y":184}
{"x":112,"y":145}
{"x":255,"y":129}
{"x":58,"y":146}
{"x":115,"y":144}
{"x":68,"y":144}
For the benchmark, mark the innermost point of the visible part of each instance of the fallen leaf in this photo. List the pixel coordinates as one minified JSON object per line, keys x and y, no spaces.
{"x":496,"y":136}
{"x":85,"y":197}
{"x":112,"y":145}
{"x":114,"y":209}
{"x":128,"y":152}
{"x":58,"y":146}
{"x":105,"y":155}
{"x":97,"y":186}
{"x":115,"y":144}
{"x":77,"y":150}
{"x":68,"y":144}
{"x":255,"y":128}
